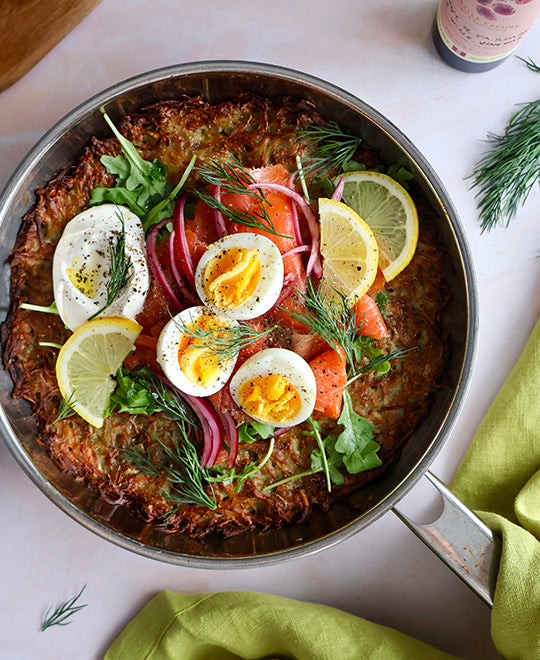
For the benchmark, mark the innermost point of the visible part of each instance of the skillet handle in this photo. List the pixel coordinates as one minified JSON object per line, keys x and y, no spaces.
{"x":462,"y":541}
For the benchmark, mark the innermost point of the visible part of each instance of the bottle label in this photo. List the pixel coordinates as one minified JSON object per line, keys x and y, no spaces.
{"x":485,"y":30}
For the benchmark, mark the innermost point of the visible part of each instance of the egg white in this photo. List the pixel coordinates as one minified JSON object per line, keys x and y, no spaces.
{"x":167,"y":352}
{"x":269,"y":286}
{"x":285,"y":363}
{"x":86,"y":241}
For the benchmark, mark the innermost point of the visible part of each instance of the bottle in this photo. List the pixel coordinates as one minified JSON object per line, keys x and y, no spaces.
{"x":478,"y":35}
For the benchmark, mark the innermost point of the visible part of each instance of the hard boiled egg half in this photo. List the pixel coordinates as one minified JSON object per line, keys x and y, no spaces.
{"x":240,"y":275}
{"x":275,"y":387}
{"x":184,"y":351}
{"x":82,"y":265}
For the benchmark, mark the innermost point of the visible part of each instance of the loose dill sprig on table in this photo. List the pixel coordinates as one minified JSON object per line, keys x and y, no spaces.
{"x":531,"y":65}
{"x":331,"y":147}
{"x":181,"y":467}
{"x":223,"y":342}
{"x":65,"y":409}
{"x":60,"y":616}
{"x":121,"y":267}
{"x":507,"y":172}
{"x":329,"y":316}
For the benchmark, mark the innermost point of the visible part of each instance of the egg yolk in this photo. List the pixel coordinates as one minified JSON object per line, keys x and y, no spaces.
{"x":231,"y":277}
{"x":271,"y":398}
{"x":84,"y":276}
{"x":199,"y":363}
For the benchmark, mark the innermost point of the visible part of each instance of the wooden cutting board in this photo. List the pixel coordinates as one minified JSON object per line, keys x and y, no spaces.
{"x":30,"y":28}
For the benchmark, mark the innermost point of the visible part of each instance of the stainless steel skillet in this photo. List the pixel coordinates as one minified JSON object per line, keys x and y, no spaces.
{"x":218,"y":81}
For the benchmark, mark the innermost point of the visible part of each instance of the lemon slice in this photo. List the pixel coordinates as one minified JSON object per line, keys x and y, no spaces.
{"x":88,"y":361}
{"x":349,"y":250}
{"x":390,"y":212}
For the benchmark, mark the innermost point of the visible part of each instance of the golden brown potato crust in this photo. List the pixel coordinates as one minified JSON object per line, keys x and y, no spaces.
{"x":258,"y":132}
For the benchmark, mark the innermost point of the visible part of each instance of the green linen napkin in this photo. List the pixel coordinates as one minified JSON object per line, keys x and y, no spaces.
{"x":235,"y":625}
{"x":499,"y":477}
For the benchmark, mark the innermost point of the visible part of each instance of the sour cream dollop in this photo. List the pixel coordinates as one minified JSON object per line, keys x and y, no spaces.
{"x":82,"y":265}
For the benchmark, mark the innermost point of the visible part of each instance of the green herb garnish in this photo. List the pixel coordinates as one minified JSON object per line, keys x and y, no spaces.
{"x":224,"y":475}
{"x":398,"y":172}
{"x":329,"y":316}
{"x":381,"y":300}
{"x":331,"y":147}
{"x":249,"y":432}
{"x":120,"y":270}
{"x":258,"y":219}
{"x":141,"y":185}
{"x":509,"y":170}
{"x":50,"y":344}
{"x":321,"y":457}
{"x":186,"y":478}
{"x":65,"y":409}
{"x":377,"y":359}
{"x":223,"y":342}
{"x":531,"y":65}
{"x":60,"y":616}
{"x":232,"y":178}
{"x":356,"y":442}
{"x":353,"y":450}
{"x":139,"y":392}
{"x":50,"y":309}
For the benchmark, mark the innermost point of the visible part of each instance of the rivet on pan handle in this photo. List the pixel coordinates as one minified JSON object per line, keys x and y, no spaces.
{"x":462,"y":541}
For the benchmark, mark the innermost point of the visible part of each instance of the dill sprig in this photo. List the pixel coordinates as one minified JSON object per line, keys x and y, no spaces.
{"x":231,"y":178}
{"x":257,"y":219}
{"x":186,"y":478}
{"x":507,"y":172}
{"x":65,"y":409}
{"x":330,"y":316}
{"x":530,"y":63}
{"x":222,"y":342}
{"x":381,"y":360}
{"x":235,"y":179}
{"x":121,"y":267}
{"x":62,"y":612}
{"x":331,"y":147}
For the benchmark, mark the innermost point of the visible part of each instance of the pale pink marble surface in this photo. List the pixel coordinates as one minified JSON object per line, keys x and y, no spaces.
{"x":380,"y":51}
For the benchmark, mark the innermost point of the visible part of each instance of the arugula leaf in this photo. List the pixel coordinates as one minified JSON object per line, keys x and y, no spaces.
{"x":363,"y":348}
{"x":356,"y":442}
{"x":354,"y":166}
{"x":327,"y":186}
{"x":333,"y":458}
{"x":381,"y":299}
{"x":400,"y":174}
{"x":252,"y":431}
{"x":354,"y":449}
{"x":133,"y":395}
{"x":139,"y":392}
{"x":140,"y":184}
{"x":121,"y":196}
